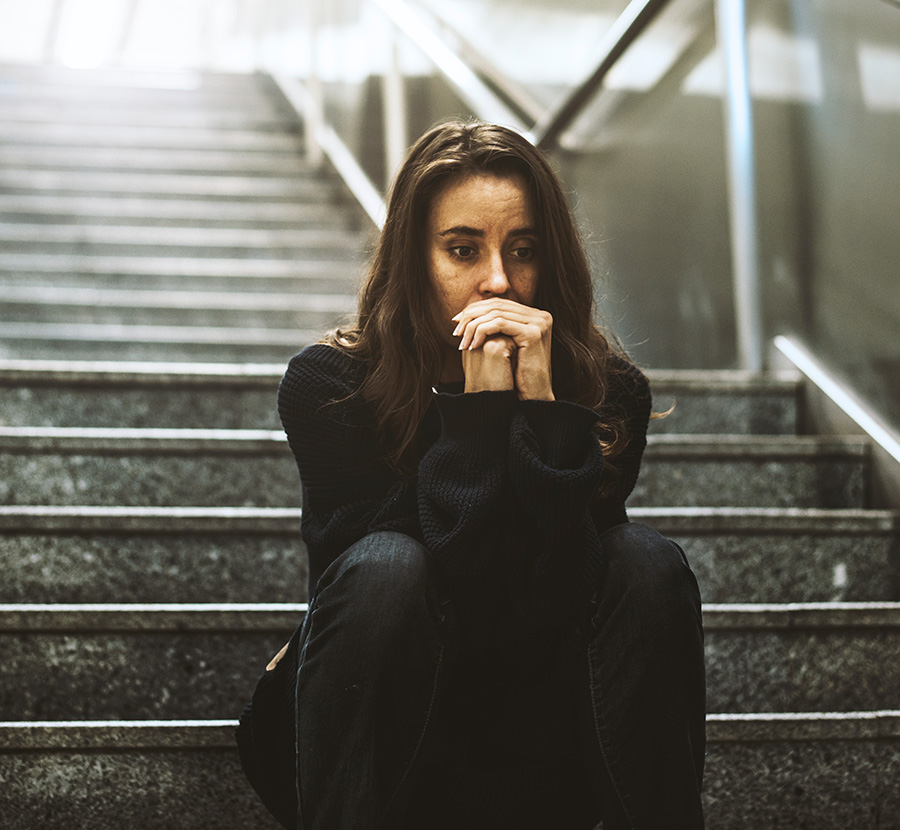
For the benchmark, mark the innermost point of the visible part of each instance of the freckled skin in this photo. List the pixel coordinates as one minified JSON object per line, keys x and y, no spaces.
{"x":483,"y":257}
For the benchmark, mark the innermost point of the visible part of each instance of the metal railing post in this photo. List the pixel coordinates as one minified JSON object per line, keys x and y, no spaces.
{"x":314,"y":112}
{"x":54,"y":25}
{"x":732,"y":33}
{"x":394,"y":112}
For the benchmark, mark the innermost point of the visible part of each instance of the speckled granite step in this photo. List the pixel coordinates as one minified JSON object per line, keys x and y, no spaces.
{"x":206,"y":118}
{"x":47,"y":465}
{"x":130,"y":394}
{"x":106,"y":776}
{"x":316,"y":274}
{"x":136,"y":661}
{"x":48,"y":393}
{"x":231,"y":243}
{"x":130,"y":307}
{"x":797,"y":657}
{"x":239,"y":554}
{"x":252,"y":188}
{"x":143,"y":554}
{"x":752,"y":471}
{"x":753,"y":554}
{"x":108,"y":466}
{"x":169,"y":660}
{"x":116,"y":342}
{"x":36,"y":157}
{"x":125,"y":210}
{"x":148,"y":136}
{"x":747,"y":403}
{"x":830,"y":771}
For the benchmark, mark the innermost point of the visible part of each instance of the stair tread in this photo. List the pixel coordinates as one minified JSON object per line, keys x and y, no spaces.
{"x":236,"y":617}
{"x":219,"y":733}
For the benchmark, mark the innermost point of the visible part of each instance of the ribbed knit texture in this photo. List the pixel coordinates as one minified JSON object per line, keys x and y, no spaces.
{"x":504,"y":498}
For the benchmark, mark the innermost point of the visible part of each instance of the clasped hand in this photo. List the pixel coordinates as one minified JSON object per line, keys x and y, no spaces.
{"x":506,"y":345}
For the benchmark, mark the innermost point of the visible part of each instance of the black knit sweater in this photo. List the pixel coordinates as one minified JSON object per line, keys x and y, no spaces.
{"x":505,"y":496}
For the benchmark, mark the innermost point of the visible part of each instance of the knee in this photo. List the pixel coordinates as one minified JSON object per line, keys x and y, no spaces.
{"x":649,"y":574}
{"x":382,"y":581}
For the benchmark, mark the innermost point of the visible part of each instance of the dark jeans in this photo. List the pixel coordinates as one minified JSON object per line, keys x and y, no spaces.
{"x":350,"y":730}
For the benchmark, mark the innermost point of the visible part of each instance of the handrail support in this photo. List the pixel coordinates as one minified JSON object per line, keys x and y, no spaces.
{"x":741,"y":174}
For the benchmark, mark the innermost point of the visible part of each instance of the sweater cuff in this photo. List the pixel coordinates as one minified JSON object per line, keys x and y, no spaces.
{"x":478,"y":418}
{"x":560,"y":428}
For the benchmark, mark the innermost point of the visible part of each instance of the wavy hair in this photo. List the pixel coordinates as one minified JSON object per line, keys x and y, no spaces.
{"x":394,"y":333}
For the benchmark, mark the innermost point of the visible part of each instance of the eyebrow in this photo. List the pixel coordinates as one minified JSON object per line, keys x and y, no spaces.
{"x":465,"y":230}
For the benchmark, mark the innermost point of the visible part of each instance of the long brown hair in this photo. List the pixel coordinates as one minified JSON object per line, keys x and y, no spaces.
{"x":394,"y":333}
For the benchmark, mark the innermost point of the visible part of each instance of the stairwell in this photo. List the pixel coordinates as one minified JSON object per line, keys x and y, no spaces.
{"x":165,"y":249}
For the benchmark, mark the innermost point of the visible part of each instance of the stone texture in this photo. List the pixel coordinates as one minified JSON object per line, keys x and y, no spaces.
{"x":735,"y":481}
{"x":815,"y":785}
{"x":802,"y":567}
{"x":767,"y":785}
{"x":187,"y":666}
{"x":161,"y":790}
{"x":727,"y":412}
{"x":150,"y":479}
{"x":292,"y":314}
{"x":125,"y":676}
{"x":149,"y":406}
{"x":805,"y":670}
{"x":152,"y":567}
{"x":83,"y":345}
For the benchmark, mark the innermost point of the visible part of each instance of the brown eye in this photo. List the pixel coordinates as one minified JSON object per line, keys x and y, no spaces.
{"x":462,"y":251}
{"x":523,"y":252}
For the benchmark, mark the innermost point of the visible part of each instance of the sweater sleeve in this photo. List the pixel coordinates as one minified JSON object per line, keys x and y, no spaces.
{"x":633,"y":397}
{"x":555,"y":465}
{"x":349,"y":490}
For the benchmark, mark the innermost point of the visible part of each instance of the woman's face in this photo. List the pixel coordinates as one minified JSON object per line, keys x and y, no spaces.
{"x":481,"y":243}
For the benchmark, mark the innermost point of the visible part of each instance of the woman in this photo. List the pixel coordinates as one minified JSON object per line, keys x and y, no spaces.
{"x":490,"y":642}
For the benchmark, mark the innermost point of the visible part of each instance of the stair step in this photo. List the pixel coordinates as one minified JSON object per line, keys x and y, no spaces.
{"x":153,"y":160}
{"x":842,"y":771}
{"x":130,"y":774}
{"x":23,"y":304}
{"x":64,"y":76}
{"x":752,"y":471}
{"x":123,"y":210}
{"x":802,"y":656}
{"x":174,"y":185}
{"x":246,"y":97}
{"x":46,"y":464}
{"x":825,"y":770}
{"x":141,"y":554}
{"x":785,"y":554}
{"x":69,"y":466}
{"x":114,"y":342}
{"x":190,"y":273}
{"x":58,"y":134}
{"x":748,"y":403}
{"x":178,"y":660}
{"x":187,"y":395}
{"x":227,"y":118}
{"x":266,"y":242}
{"x":86,"y":390}
{"x":136,"y":661}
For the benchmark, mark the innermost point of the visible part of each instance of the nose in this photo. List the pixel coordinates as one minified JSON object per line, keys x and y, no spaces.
{"x":495,"y":282}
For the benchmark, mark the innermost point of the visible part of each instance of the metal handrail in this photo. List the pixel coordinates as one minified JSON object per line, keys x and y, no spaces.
{"x":468,"y":85}
{"x":628,"y":26}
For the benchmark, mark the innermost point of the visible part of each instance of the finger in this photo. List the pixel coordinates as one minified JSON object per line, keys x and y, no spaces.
{"x":494,"y":305}
{"x":524,"y":327}
{"x":524,"y":335}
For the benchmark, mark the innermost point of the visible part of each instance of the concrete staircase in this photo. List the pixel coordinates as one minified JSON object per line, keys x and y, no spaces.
{"x":164,"y":252}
